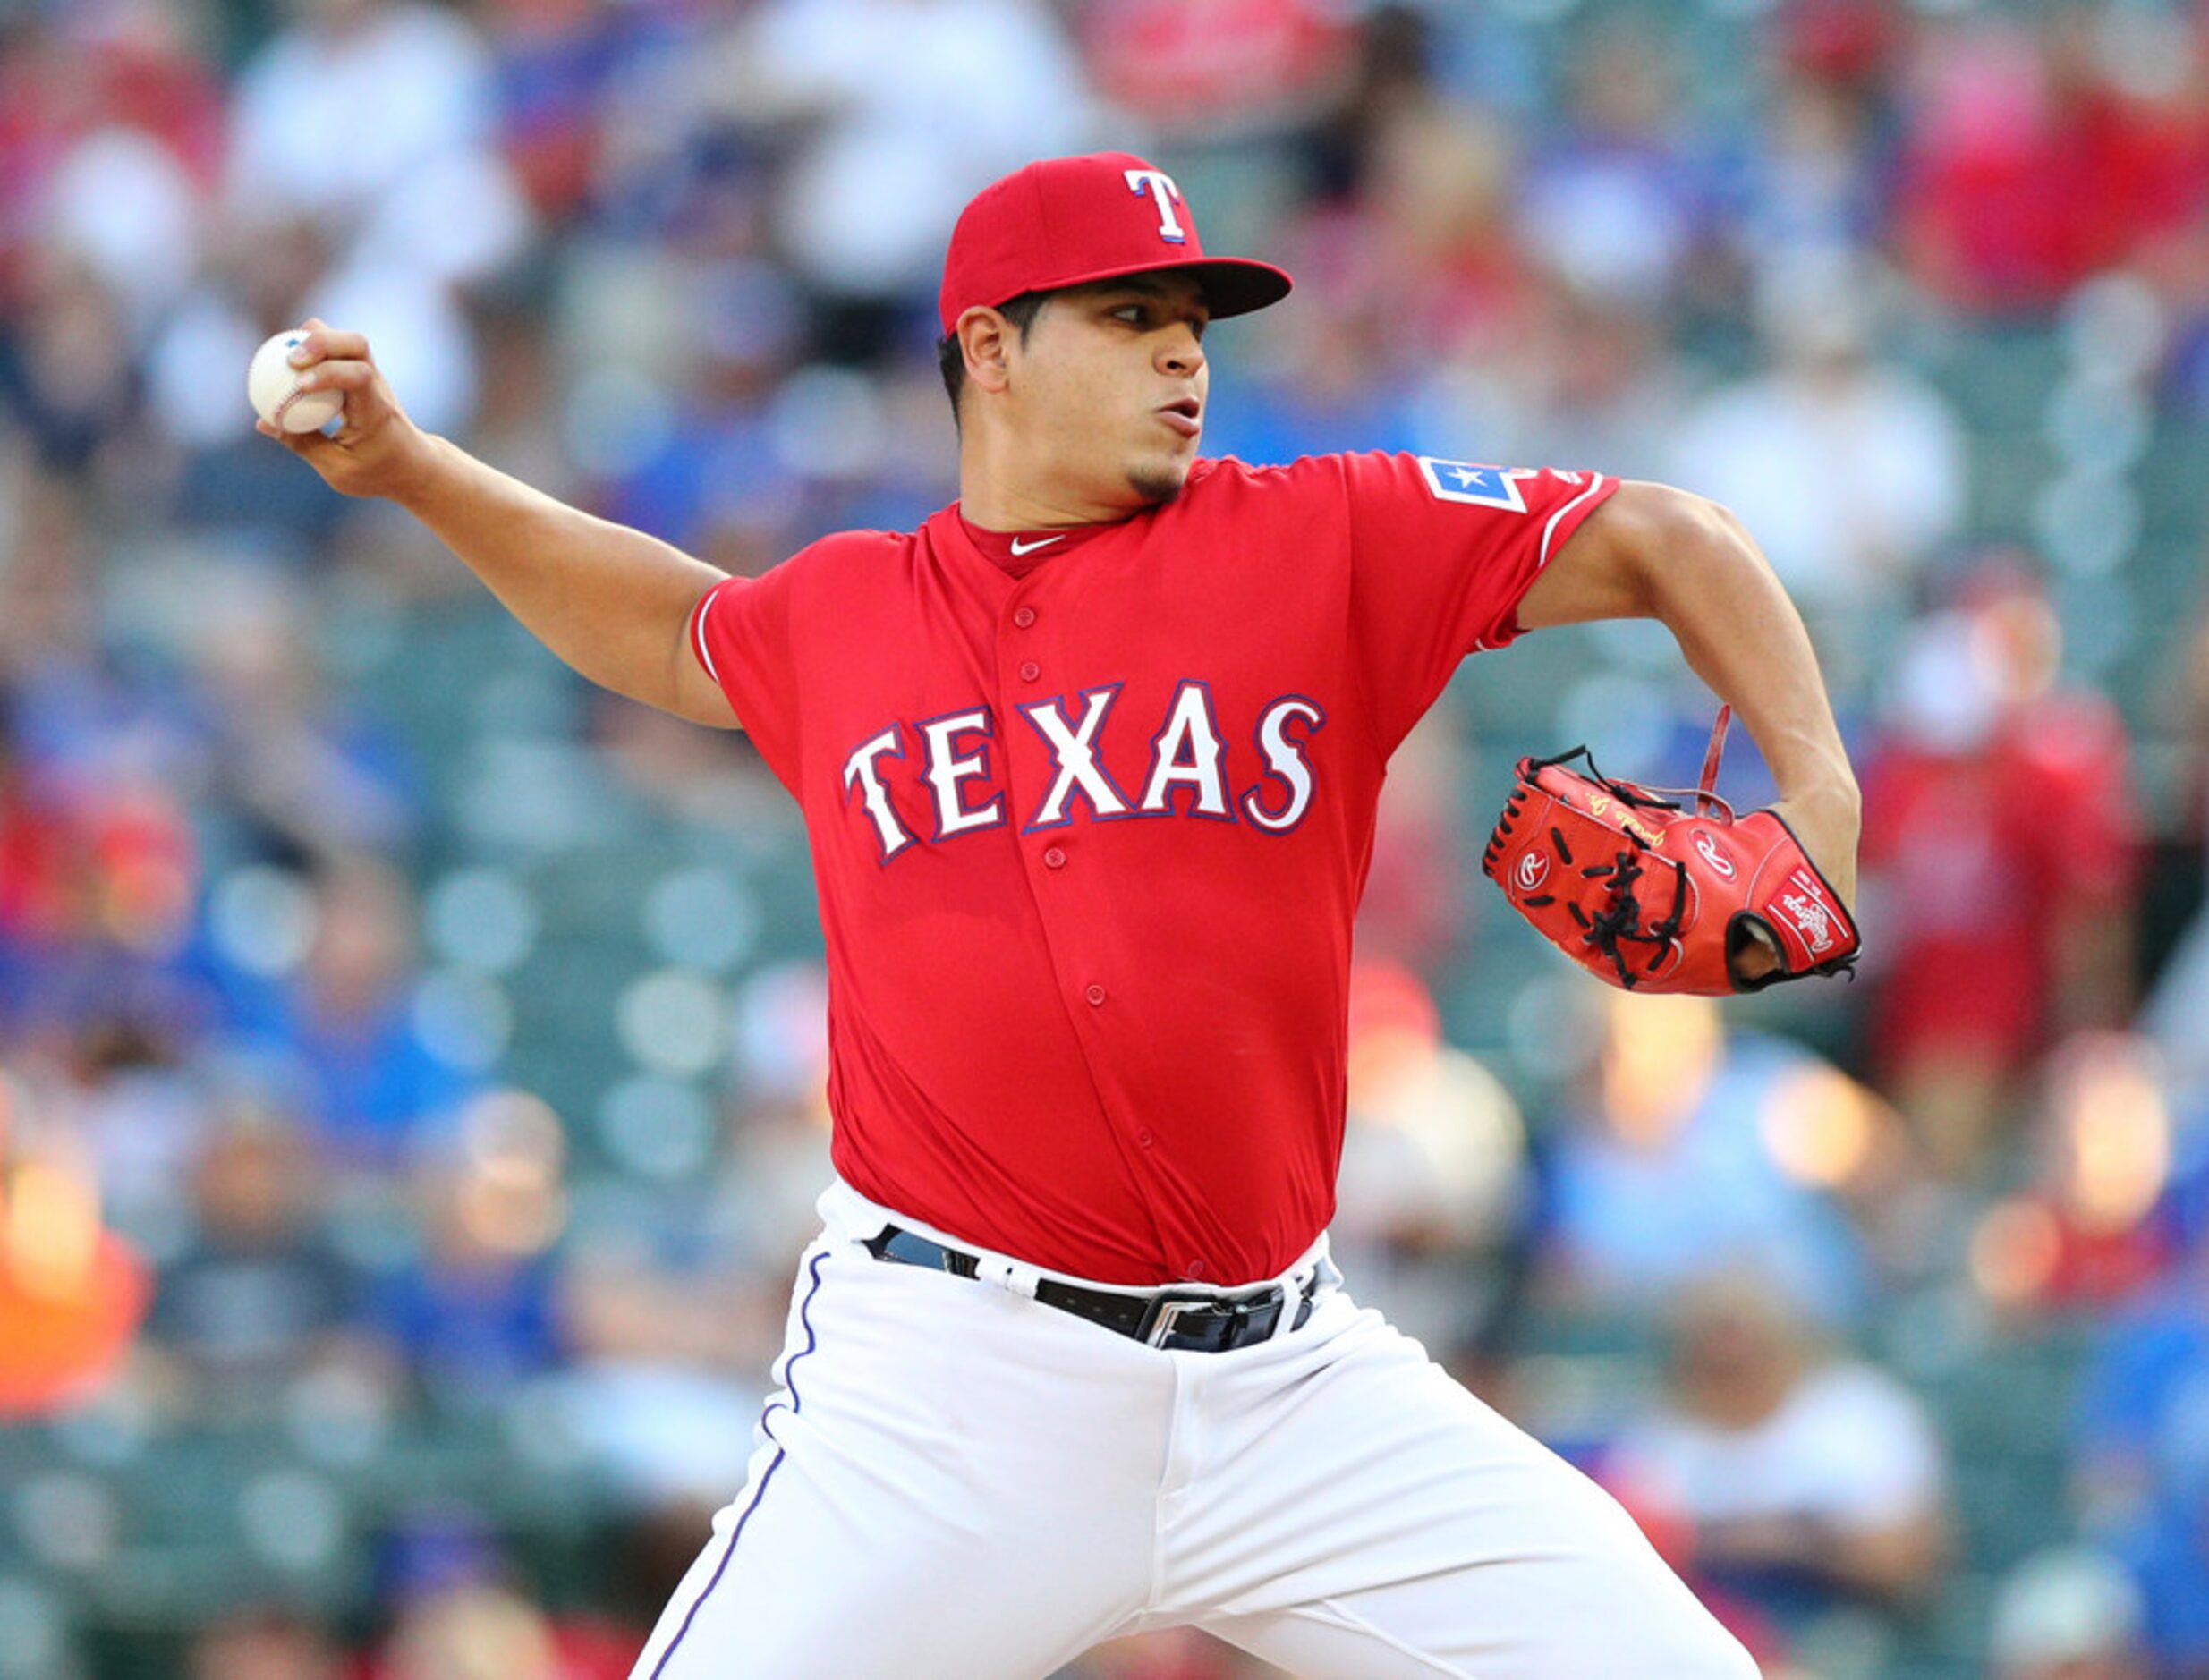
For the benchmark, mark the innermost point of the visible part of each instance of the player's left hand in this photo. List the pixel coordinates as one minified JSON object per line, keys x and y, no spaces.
{"x":1828,"y":824}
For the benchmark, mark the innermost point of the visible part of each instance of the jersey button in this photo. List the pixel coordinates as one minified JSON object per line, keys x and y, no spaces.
{"x":1145,"y":1138}
{"x":1193,"y":1270}
{"x":1095,"y":994}
{"x":1023,"y":616}
{"x":1054,"y":859}
{"x":1030,"y":671}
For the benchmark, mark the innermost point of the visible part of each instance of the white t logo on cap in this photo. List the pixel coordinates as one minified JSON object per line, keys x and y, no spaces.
{"x":1160,"y":188}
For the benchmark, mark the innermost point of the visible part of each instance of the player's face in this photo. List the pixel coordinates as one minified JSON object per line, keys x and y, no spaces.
{"x":1109,"y":389}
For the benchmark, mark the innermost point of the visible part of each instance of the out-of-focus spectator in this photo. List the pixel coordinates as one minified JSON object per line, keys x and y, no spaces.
{"x":777,"y":1150}
{"x":1578,"y":379}
{"x":472,"y":1633}
{"x":47,"y":551}
{"x":1848,"y":467}
{"x":661,"y":1392}
{"x":1434,"y":1189}
{"x":2091,"y":1226}
{"x":345,"y":1026}
{"x":715,"y":478}
{"x":886,"y":140}
{"x":258,"y":1297}
{"x":484,"y":1630}
{"x":264,"y":1644}
{"x":99,"y":869}
{"x":379,"y":224}
{"x":2143,"y":1402}
{"x":2039,"y":151}
{"x":458,"y":1611}
{"x":2068,"y":1612}
{"x":2178,"y":268}
{"x":1617,"y":200}
{"x":109,"y":123}
{"x":421,"y":69}
{"x":66,"y":373}
{"x":309,"y":775}
{"x":2164,"y":1551}
{"x":474,"y":1310}
{"x":1414,"y":907}
{"x":35,"y":847}
{"x":81,"y":92}
{"x":71,"y":1293}
{"x":2141,"y":1462}
{"x":140,"y":1106}
{"x":1411,"y":263}
{"x":1218,"y":70}
{"x":1811,"y":187}
{"x":1999,"y":857}
{"x":2179,"y":1003}
{"x":1686,"y":1152}
{"x":1809,"y":1480}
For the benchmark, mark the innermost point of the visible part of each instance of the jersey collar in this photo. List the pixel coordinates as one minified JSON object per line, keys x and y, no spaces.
{"x":1018,"y":553}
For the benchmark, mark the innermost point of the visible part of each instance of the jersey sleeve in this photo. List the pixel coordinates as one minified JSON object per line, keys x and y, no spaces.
{"x":741,"y":631}
{"x":1441,"y":553}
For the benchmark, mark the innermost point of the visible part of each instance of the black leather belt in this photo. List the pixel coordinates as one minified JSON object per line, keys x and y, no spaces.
{"x":1168,"y":1319}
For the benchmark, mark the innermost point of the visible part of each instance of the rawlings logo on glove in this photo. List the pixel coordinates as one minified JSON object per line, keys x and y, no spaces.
{"x":1652,"y":894}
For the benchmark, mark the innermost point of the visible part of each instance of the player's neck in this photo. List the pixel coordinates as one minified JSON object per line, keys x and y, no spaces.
{"x":999,"y":491}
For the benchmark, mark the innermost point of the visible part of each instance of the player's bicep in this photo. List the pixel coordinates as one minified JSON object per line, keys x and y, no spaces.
{"x":1602,"y":569}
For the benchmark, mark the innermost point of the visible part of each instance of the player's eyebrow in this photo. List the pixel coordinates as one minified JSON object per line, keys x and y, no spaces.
{"x":1154,"y":290}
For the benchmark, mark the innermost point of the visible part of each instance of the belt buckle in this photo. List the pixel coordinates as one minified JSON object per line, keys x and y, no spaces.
{"x":1167,"y":1310}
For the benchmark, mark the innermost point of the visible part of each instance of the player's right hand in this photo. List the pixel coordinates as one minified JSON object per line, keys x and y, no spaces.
{"x":376,"y":451}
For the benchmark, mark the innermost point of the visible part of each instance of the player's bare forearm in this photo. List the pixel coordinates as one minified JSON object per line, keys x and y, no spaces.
{"x":1655,"y":552}
{"x":614,"y":603}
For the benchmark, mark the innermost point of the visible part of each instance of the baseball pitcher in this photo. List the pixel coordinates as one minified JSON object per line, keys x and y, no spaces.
{"x":1089,"y":765}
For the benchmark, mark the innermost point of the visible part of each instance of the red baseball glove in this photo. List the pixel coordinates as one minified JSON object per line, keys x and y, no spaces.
{"x":1654,"y":895}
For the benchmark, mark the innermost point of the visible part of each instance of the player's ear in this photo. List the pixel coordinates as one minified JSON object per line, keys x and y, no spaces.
{"x":986,"y":340}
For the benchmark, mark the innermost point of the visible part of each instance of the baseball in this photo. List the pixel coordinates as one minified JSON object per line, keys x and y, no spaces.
{"x":272,"y":384}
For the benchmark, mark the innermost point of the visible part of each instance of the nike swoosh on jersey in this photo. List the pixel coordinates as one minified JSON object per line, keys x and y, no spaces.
{"x":1020,"y":547}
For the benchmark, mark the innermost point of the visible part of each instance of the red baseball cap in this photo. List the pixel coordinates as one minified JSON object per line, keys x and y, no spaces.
{"x":1067,"y":221}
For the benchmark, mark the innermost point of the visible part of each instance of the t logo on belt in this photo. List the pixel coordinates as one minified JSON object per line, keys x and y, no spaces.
{"x":1158,"y":186}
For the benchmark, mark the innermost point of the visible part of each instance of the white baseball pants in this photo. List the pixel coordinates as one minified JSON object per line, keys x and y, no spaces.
{"x":955,"y":1482}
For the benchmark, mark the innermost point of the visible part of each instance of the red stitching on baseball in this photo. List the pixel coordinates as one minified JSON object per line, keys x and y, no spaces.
{"x":284,"y":407}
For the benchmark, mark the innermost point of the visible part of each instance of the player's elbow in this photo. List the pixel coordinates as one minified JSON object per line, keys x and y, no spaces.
{"x":1689,"y":545}
{"x":1681,"y":522}
{"x":1661,"y":536}
{"x":1647,"y":548}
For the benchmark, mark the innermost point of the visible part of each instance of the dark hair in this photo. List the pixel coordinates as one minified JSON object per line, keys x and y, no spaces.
{"x":951,"y":360}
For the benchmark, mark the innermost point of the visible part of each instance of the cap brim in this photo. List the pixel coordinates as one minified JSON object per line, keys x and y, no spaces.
{"x":1233,"y":285}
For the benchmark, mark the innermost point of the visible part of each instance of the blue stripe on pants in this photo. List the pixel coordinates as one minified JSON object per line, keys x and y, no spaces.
{"x":789,"y":1381}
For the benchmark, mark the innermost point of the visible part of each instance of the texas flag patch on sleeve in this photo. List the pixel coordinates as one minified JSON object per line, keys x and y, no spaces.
{"x":1479,"y":486}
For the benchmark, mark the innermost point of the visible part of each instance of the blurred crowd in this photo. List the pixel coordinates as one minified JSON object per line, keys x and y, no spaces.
{"x":411,"y":1064}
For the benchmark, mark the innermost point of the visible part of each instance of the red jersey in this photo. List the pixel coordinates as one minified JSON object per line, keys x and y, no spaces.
{"x":1090,"y":813}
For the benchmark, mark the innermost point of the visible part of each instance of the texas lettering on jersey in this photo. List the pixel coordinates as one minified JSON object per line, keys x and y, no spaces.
{"x":951,"y":763}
